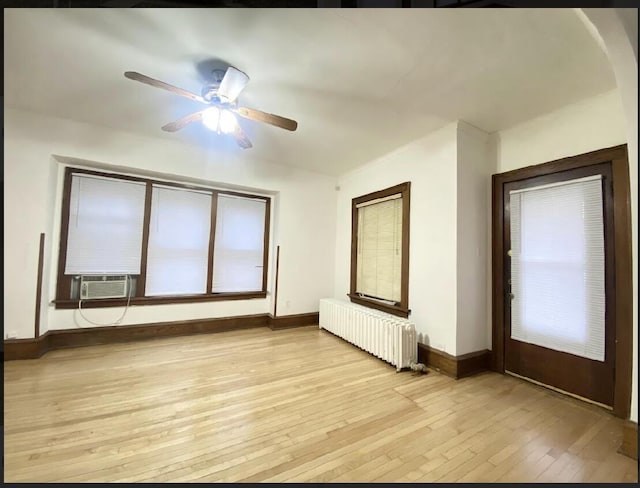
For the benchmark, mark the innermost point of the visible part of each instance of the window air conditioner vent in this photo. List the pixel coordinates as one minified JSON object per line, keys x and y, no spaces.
{"x":95,"y":287}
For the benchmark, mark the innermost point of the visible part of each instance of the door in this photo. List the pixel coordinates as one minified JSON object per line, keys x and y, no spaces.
{"x":559,"y":323}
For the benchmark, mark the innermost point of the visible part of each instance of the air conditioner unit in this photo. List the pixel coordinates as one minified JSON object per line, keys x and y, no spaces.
{"x":95,"y":287}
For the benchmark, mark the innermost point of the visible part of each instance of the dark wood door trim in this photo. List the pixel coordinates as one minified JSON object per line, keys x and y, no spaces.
{"x":623,"y":284}
{"x":617,"y":157}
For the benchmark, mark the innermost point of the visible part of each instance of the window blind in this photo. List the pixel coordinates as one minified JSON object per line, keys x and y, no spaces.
{"x":379,"y":260}
{"x":178,"y":252}
{"x":239,"y":244}
{"x":106,"y":216}
{"x":557,"y":267}
{"x":379,"y":200}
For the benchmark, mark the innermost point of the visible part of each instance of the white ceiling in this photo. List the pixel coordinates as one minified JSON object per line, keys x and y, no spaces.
{"x":360,"y":82}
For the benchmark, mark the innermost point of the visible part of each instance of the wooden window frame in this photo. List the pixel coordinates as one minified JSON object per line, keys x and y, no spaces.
{"x":63,"y":286}
{"x":623,"y":309}
{"x":401,"y":309}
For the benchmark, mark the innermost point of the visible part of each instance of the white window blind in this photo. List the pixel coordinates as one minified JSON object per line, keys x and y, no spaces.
{"x":106,"y":216}
{"x":178,"y":252}
{"x":557,"y":267}
{"x":379,"y":259}
{"x":239,"y":244}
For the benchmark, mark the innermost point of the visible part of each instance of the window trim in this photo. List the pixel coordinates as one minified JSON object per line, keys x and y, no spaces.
{"x":63,"y":284}
{"x":401,"y":309}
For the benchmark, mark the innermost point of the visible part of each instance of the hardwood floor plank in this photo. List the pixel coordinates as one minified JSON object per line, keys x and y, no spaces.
{"x":300,"y":405}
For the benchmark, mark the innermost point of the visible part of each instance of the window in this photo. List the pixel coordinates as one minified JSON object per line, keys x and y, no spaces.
{"x":380,"y":250}
{"x":177,"y":243}
{"x":240,"y":244}
{"x":178,"y":249}
{"x":105,"y":225}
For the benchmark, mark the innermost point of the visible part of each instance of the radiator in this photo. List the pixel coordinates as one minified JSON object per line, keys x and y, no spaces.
{"x":390,"y":338}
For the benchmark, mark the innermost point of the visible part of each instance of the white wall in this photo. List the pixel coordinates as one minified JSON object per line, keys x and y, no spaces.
{"x":588,"y":125}
{"x":450,"y":173}
{"x":304,"y":213}
{"x":430,"y":165}
{"x":474,"y":170}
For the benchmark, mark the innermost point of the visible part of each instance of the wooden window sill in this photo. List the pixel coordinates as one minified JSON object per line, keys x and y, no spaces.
{"x":392,"y":309}
{"x":121,"y":302}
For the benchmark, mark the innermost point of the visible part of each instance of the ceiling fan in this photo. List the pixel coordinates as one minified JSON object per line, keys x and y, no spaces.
{"x":220,"y":95}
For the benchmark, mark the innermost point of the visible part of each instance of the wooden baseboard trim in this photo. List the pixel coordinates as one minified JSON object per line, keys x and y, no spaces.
{"x":473,"y":363}
{"x":91,"y":336}
{"x":454,"y":366}
{"x":15,"y":349}
{"x":438,"y":360}
{"x":298,"y":320}
{"x":104,"y":335}
{"x":629,"y":446}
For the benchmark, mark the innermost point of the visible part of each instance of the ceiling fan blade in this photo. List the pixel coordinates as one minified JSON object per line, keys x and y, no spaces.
{"x":241,"y":138}
{"x":232,"y":84}
{"x":253,"y":114}
{"x":132,"y":75}
{"x":180,"y":123}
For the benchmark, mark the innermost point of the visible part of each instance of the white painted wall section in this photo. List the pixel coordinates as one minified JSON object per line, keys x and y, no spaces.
{"x":588,"y":125}
{"x":474,"y":170}
{"x":303,"y":217}
{"x":429,"y":164}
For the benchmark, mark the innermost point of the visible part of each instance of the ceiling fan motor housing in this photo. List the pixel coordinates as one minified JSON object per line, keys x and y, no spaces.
{"x":210,"y":90}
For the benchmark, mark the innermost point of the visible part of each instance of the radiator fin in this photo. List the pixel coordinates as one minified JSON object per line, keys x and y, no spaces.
{"x":390,"y":338}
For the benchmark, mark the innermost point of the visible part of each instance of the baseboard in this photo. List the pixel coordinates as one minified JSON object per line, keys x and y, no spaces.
{"x":629,"y":446}
{"x":91,"y":336}
{"x":298,"y":320}
{"x":438,"y":360}
{"x":473,"y":363}
{"x":15,"y":349}
{"x":454,"y":366}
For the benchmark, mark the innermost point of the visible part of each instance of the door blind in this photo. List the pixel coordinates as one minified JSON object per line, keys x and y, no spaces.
{"x":557,"y":267}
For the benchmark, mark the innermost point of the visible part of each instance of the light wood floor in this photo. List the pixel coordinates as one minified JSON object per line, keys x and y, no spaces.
{"x":292,"y":405}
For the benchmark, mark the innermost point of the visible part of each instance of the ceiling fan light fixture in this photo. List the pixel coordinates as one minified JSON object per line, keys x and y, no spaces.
{"x":211,"y":118}
{"x":228,"y":122}
{"x":219,"y":120}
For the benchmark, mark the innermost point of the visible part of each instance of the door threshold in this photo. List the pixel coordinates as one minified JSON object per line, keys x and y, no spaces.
{"x":564,"y":392}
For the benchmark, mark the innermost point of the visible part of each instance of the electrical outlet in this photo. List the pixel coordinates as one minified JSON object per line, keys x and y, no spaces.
{"x":10,"y":335}
{"x":287,"y":304}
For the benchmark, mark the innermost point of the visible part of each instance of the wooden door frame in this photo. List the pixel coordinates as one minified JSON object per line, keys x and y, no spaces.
{"x":617,"y":156}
